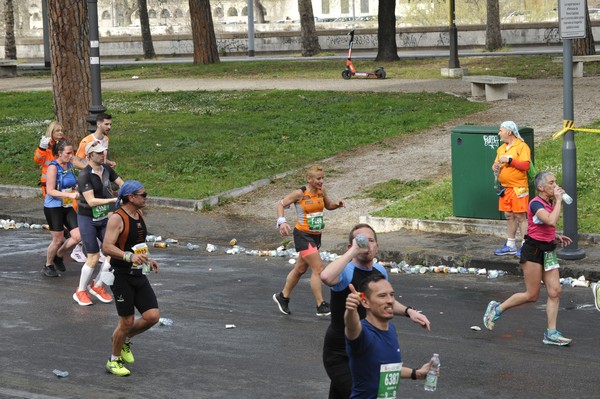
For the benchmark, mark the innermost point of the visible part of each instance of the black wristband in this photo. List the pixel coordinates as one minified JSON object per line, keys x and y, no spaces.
{"x":413,"y":375}
{"x":406,"y":310}
{"x":509,"y":160}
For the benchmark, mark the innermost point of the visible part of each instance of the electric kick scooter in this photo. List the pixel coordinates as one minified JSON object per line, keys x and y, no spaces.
{"x":350,"y":71}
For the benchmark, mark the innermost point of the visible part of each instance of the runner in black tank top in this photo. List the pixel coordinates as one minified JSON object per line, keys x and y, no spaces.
{"x":126,"y":234}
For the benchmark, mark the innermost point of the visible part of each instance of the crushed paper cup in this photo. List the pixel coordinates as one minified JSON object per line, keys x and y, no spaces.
{"x":580,"y":282}
{"x":228,"y":326}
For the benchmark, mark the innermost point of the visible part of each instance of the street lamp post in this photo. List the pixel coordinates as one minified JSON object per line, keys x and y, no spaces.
{"x":569,"y":163}
{"x":454,"y":70}
{"x":251,"y":52}
{"x":453,"y":60}
{"x":96,"y":107}
{"x":47,"y":63}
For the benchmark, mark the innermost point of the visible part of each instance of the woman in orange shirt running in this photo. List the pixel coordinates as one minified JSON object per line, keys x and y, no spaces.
{"x":309,"y":202}
{"x":43,"y":153}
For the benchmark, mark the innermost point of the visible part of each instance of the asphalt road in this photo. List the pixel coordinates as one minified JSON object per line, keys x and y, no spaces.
{"x":267,"y":354}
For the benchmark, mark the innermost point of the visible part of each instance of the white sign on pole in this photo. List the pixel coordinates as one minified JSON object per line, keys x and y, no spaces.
{"x":571,"y":19}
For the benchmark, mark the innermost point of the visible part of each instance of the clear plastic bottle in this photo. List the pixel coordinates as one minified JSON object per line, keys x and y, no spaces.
{"x":362,"y":241}
{"x":431,"y":379}
{"x":567,"y":199}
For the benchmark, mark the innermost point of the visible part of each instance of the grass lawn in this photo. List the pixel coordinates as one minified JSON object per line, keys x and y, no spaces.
{"x":522,"y":67}
{"x":195,"y":144}
{"x":432,"y":200}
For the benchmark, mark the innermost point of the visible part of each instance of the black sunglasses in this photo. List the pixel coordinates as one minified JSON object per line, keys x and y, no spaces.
{"x":144,"y":195}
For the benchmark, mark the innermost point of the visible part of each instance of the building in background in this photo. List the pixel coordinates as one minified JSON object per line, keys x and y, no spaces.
{"x":121,"y":17}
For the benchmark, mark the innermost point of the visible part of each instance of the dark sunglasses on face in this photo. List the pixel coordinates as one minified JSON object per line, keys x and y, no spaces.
{"x":144,"y":195}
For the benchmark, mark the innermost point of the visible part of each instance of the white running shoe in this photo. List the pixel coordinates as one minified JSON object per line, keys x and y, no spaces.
{"x":77,"y":255}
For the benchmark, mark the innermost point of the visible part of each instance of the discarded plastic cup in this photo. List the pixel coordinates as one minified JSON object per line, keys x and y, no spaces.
{"x":493,"y":274}
{"x":163,"y":321}
{"x":191,"y":246}
{"x":60,"y":374}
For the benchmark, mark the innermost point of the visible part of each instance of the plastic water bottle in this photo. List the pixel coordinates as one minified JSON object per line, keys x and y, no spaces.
{"x":567,"y":199}
{"x":362,"y":241}
{"x":163,"y":321}
{"x":431,"y":379}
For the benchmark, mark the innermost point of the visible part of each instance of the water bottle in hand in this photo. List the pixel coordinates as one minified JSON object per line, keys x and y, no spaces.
{"x":362,"y":241}
{"x":431,"y":379}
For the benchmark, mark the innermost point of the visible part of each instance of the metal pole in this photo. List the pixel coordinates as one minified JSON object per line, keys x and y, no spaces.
{"x":453,"y":60}
{"x":45,"y":22}
{"x":250,"y":28}
{"x":569,"y":165}
{"x":96,"y":107}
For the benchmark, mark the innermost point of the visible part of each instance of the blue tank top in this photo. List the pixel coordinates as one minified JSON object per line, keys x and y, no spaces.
{"x":65,"y":178}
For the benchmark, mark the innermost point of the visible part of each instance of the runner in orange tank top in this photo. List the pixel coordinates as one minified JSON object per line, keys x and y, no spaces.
{"x":309,"y":202}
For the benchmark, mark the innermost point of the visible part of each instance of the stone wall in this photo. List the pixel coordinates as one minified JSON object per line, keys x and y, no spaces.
{"x":331,"y":40}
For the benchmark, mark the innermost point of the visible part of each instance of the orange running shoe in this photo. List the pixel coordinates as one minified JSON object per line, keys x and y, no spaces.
{"x":82,"y":298}
{"x":100,"y":293}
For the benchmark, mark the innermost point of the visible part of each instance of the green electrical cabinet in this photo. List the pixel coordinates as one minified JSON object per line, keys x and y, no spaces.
{"x":473,"y":152}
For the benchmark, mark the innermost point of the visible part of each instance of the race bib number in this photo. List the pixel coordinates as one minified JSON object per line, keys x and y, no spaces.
{"x":315,"y":221}
{"x":67,"y":202}
{"x":389,"y":380}
{"x":521,"y":192}
{"x":141,"y":249}
{"x":100,"y":212}
{"x":550,"y":261}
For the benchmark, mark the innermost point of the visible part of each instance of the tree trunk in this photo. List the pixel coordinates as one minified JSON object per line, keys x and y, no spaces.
{"x":309,"y":41}
{"x":71,"y":79}
{"x":259,"y":10}
{"x":10,"y":44}
{"x":203,"y":33}
{"x":585,"y":46}
{"x":146,"y":34}
{"x":387,"y":50}
{"x":493,"y":34}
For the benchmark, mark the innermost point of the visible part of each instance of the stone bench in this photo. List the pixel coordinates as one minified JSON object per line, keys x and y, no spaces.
{"x":578,"y":61}
{"x":492,"y":87}
{"x":8,"y":68}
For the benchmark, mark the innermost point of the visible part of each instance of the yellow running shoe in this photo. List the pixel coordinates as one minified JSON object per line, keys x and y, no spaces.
{"x":126,"y":354}
{"x":116,"y":367}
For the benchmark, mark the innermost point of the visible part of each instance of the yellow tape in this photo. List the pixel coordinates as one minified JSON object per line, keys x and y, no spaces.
{"x":570,"y":125}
